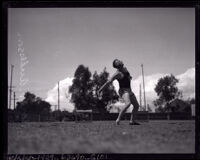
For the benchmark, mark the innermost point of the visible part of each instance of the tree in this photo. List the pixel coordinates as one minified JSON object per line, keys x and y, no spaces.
{"x":29,"y":97}
{"x":190,"y":101}
{"x":84,"y":90}
{"x":159,"y":109}
{"x":166,"y":90}
{"x":81,"y":88}
{"x":178,"y":106}
{"x":33,"y":105}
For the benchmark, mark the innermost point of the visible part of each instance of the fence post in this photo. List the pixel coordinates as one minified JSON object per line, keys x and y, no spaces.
{"x":168,"y":116}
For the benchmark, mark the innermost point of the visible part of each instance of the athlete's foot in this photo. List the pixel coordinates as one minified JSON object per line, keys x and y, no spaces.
{"x":117,"y":122}
{"x":134,"y":123}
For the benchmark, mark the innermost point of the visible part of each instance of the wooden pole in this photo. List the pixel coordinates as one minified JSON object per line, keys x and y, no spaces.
{"x":143,"y":87}
{"x":140,"y":98}
{"x":58,"y":97}
{"x":14,"y":100}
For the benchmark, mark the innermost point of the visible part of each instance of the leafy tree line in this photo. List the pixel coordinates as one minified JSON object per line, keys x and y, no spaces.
{"x":167,"y":91}
{"x":33,"y":108}
{"x":33,"y":105}
{"x":84,"y":95}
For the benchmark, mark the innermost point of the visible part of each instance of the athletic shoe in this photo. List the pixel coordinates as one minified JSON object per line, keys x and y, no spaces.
{"x":117,"y":122}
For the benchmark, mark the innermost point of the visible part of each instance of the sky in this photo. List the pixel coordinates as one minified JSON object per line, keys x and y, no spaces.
{"x":46,"y":45}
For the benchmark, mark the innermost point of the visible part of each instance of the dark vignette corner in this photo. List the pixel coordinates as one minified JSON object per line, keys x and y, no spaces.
{"x":4,"y":58}
{"x":197,"y":86}
{"x":4,"y":80}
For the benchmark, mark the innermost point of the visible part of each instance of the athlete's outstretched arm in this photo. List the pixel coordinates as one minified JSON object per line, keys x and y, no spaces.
{"x":115,"y":76}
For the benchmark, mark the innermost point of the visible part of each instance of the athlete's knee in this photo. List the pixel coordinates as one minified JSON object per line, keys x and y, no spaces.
{"x":127,"y":105}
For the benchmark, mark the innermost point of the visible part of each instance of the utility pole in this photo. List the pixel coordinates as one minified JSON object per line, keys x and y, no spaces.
{"x":14,"y":100}
{"x":143,"y":87}
{"x":58,"y":97}
{"x":140,"y":98}
{"x":12,"y":66}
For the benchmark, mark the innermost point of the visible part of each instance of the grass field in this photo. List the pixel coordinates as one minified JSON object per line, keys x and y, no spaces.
{"x":101,"y":137}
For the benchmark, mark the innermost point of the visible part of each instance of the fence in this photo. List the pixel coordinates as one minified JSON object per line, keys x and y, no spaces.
{"x":13,"y":117}
{"x":16,"y":117}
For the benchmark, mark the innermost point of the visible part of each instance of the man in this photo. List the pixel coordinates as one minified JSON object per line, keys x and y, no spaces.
{"x":124,"y":79}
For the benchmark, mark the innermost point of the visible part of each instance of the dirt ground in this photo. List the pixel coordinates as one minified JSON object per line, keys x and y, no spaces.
{"x":101,"y":137}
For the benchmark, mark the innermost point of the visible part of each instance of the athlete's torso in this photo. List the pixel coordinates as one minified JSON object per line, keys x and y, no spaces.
{"x":124,"y":82}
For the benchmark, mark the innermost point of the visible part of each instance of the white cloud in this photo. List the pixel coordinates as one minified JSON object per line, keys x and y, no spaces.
{"x":52,"y":95}
{"x":186,"y":85}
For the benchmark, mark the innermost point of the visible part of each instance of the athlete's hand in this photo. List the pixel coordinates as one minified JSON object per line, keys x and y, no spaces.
{"x":99,"y":94}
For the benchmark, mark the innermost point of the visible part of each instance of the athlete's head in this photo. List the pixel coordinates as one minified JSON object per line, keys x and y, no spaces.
{"x":118,"y":64}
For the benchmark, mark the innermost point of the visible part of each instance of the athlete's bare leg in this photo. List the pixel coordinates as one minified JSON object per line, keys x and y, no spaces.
{"x":127,"y":101}
{"x":135,"y":104}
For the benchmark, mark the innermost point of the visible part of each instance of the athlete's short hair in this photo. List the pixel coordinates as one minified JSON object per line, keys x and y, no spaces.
{"x":114,"y":63}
